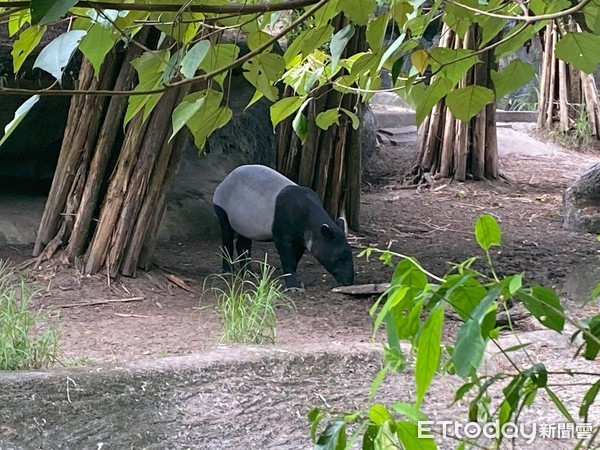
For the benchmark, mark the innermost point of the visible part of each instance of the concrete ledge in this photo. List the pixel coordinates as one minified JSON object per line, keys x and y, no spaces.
{"x":397,"y":117}
{"x":516,"y":116}
{"x":233,"y":397}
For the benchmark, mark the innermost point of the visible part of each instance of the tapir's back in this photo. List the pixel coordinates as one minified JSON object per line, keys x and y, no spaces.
{"x":248,"y":196}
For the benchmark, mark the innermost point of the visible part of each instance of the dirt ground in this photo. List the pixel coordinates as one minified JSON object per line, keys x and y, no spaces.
{"x":434,"y":225}
{"x":153,"y":317}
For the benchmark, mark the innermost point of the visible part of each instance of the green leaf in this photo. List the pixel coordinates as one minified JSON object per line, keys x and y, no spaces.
{"x":181,"y":26}
{"x":487,"y":232}
{"x":306,"y":42}
{"x":263,"y":72}
{"x":258,"y":38}
{"x":580,"y":50}
{"x":338,"y":44}
{"x":402,"y":12}
{"x":592,"y":348}
{"x":378,"y":380}
{"x":491,"y":27}
{"x":466,"y":102}
{"x":469,"y":348}
{"x":209,"y":118}
{"x":194,"y":57}
{"x":559,"y":405}
{"x":428,"y":352}
{"x":433,"y":94}
{"x":380,"y":415}
{"x":96,"y":44}
{"x":452,"y":63}
{"x":188,"y":107}
{"x":55,"y":56}
{"x":314,"y":417}
{"x":408,"y":434}
{"x":592,"y":16}
{"x":24,"y":45}
{"x":369,"y":437}
{"x":353,"y":118}
{"x":20,"y":114}
{"x":588,"y":400}
{"x":285,"y":108}
{"x":358,"y":11}
{"x":46,"y":11}
{"x":420,"y":59}
{"x":514,"y":75}
{"x":327,"y":118}
{"x":545,"y":305}
{"x":300,"y":125}
{"x":150,"y":67}
{"x":390,"y":51}
{"x":220,"y":55}
{"x":376,"y":32}
{"x":326,"y":13}
{"x":315,"y":38}
{"x":595,"y":293}
{"x":410,"y":411}
{"x":465,"y":296}
{"x":514,"y":41}
{"x":461,"y":391}
{"x":333,"y":438}
{"x":16,"y":21}
{"x":515,"y":283}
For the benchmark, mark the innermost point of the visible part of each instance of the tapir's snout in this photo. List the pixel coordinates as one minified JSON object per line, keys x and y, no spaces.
{"x":345,"y":277}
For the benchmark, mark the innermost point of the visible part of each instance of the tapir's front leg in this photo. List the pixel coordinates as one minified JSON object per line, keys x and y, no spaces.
{"x":287,"y":255}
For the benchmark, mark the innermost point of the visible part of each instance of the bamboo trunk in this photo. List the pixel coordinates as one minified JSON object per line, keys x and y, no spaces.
{"x":104,"y":151}
{"x":79,"y":140}
{"x":449,"y":147}
{"x":324,"y":160}
{"x":545,"y":76}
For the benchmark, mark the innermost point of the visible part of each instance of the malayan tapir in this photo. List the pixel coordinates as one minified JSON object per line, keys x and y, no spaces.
{"x":259,"y":204}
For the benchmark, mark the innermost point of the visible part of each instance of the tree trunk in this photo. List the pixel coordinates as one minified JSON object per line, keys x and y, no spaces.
{"x":449,"y":147}
{"x":110,"y":218}
{"x":329,"y":161}
{"x":568,"y":97}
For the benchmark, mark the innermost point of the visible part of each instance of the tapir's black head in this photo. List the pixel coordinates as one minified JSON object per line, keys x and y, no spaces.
{"x":332,"y":250}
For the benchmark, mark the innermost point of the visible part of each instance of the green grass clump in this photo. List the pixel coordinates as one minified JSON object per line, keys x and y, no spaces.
{"x":27,"y":339}
{"x":247,"y":302}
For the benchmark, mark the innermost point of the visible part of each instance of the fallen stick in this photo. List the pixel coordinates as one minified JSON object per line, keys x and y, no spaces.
{"x":362,"y":289}
{"x":101,"y":302}
{"x":139,"y":316}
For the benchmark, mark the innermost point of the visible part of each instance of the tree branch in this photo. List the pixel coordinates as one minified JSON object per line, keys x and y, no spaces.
{"x":203,"y":77}
{"x":240,"y":8}
{"x":525,"y":18}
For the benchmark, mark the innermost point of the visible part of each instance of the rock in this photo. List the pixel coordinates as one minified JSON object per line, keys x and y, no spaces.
{"x":581,"y":202}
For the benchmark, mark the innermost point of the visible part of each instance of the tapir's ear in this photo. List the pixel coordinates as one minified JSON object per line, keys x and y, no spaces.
{"x":341,"y":222}
{"x":326,"y":231}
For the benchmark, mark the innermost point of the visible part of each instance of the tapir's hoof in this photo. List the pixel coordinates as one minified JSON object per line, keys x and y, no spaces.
{"x":296,"y":289}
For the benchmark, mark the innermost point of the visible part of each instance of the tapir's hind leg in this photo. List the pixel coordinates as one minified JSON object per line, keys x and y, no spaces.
{"x":227,"y":235}
{"x":243,"y":246}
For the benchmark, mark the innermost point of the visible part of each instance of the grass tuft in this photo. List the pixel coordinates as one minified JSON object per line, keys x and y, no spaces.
{"x":27,"y":339}
{"x":246,"y":304}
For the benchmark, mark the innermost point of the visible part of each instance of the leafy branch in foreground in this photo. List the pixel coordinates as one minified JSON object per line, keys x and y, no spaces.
{"x":414,"y":309}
